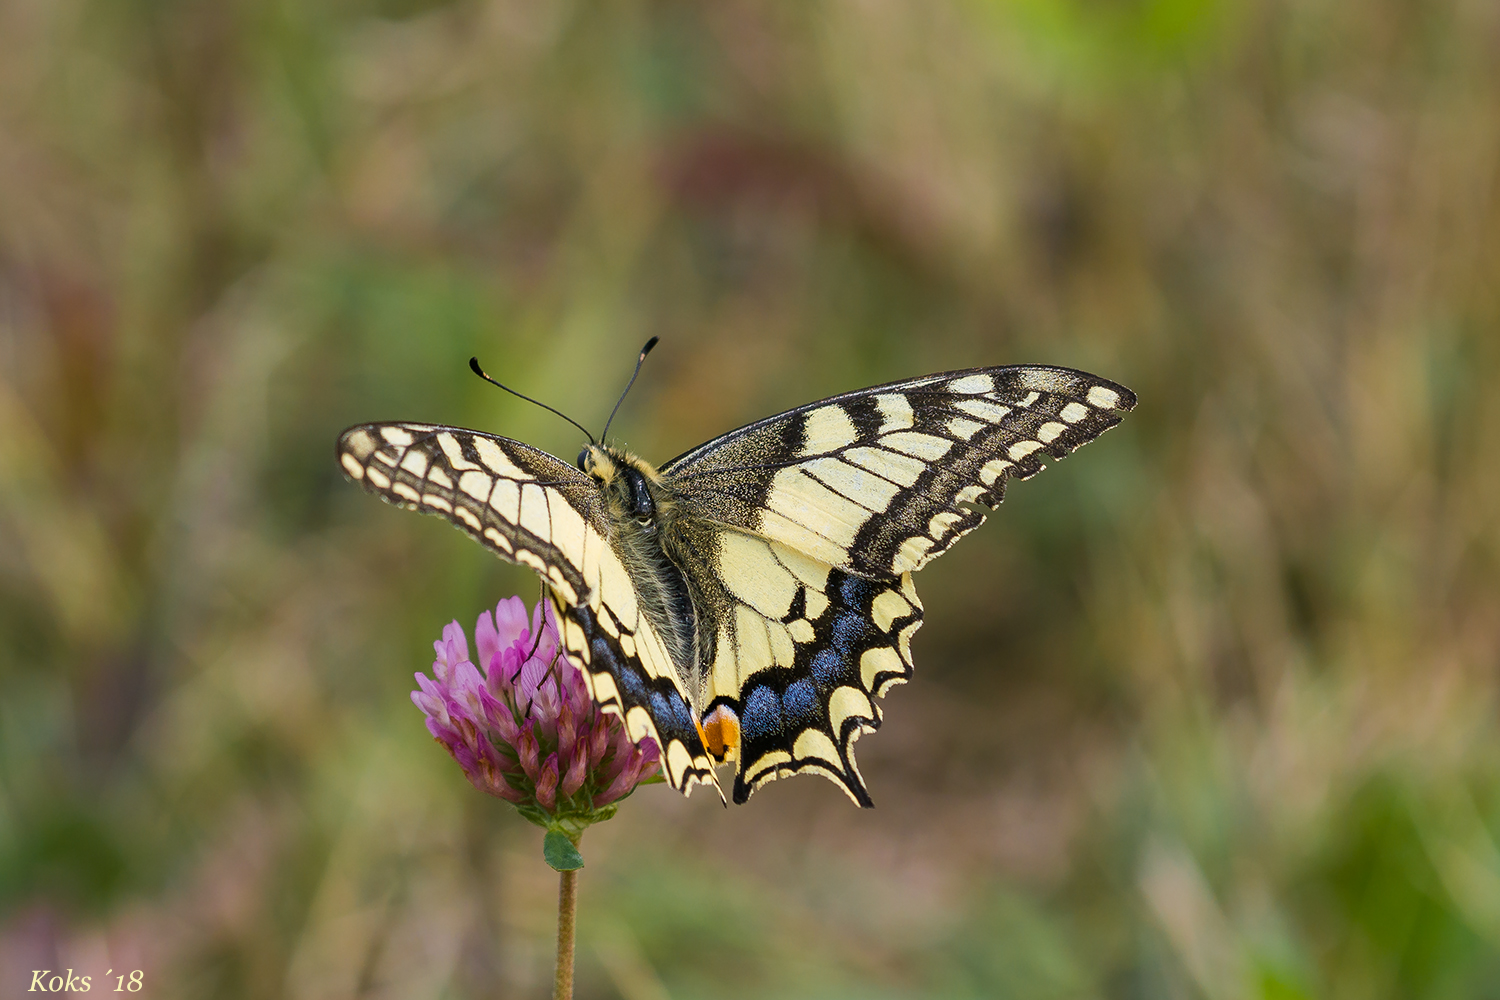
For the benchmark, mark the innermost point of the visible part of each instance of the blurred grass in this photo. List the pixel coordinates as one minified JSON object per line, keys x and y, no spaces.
{"x":1207,"y":711}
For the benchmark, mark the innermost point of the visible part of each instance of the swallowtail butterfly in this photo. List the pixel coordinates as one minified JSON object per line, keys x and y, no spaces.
{"x":749,"y":599}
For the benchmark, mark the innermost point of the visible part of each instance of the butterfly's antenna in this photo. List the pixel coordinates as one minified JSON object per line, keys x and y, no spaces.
{"x":638,"y":362}
{"x":474,"y":366}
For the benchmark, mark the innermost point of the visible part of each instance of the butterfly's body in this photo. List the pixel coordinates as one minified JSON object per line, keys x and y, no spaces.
{"x":642,"y":516}
{"x":749,"y":599}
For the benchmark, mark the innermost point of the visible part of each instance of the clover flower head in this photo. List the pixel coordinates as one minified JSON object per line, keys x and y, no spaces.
{"x":521,"y":723}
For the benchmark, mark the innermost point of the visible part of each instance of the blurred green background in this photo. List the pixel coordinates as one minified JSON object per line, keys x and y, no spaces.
{"x":1206,"y":711}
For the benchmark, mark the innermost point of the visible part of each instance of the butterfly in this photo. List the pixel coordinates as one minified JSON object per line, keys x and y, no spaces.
{"x":750,"y":599}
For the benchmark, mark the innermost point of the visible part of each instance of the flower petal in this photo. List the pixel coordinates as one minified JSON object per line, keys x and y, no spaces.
{"x":510,"y":620}
{"x":529,"y":681}
{"x":486,"y":640}
{"x":599,"y":737}
{"x":528,"y":750}
{"x":453,"y":649}
{"x":546,"y":784}
{"x":578,"y":770}
{"x":641,"y":762}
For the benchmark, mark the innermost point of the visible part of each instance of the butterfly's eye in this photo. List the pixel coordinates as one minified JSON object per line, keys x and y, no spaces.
{"x":582,"y":458}
{"x":641,"y":504}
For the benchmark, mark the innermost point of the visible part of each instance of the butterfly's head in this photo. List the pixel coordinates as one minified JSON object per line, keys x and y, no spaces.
{"x":608,"y":467}
{"x":632,"y":485}
{"x":599,"y":463}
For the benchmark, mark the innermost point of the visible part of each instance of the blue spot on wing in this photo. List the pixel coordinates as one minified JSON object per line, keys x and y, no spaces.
{"x":761,"y":719}
{"x":779,"y":704}
{"x":828,"y":667}
{"x":849,"y":628}
{"x":856,"y":591}
{"x":661,"y":708}
{"x":802,"y":705}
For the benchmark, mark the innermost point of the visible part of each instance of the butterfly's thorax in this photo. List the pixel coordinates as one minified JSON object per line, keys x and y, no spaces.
{"x":642,"y":514}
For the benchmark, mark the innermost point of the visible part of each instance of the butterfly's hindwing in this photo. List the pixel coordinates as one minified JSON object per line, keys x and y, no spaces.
{"x":882,"y":480}
{"x":630,"y":673}
{"x":802,"y":651}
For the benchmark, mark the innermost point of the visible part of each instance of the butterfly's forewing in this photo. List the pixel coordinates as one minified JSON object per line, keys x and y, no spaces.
{"x":531,"y":508}
{"x":518,"y":501}
{"x":880,"y":481}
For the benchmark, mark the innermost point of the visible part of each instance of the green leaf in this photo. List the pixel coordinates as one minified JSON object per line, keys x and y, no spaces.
{"x":560,"y":852}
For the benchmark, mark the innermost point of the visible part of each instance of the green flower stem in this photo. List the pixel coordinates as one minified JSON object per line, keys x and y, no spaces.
{"x":567,"y":914}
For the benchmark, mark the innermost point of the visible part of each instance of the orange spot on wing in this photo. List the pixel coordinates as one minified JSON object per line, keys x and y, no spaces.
{"x":721,"y":733}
